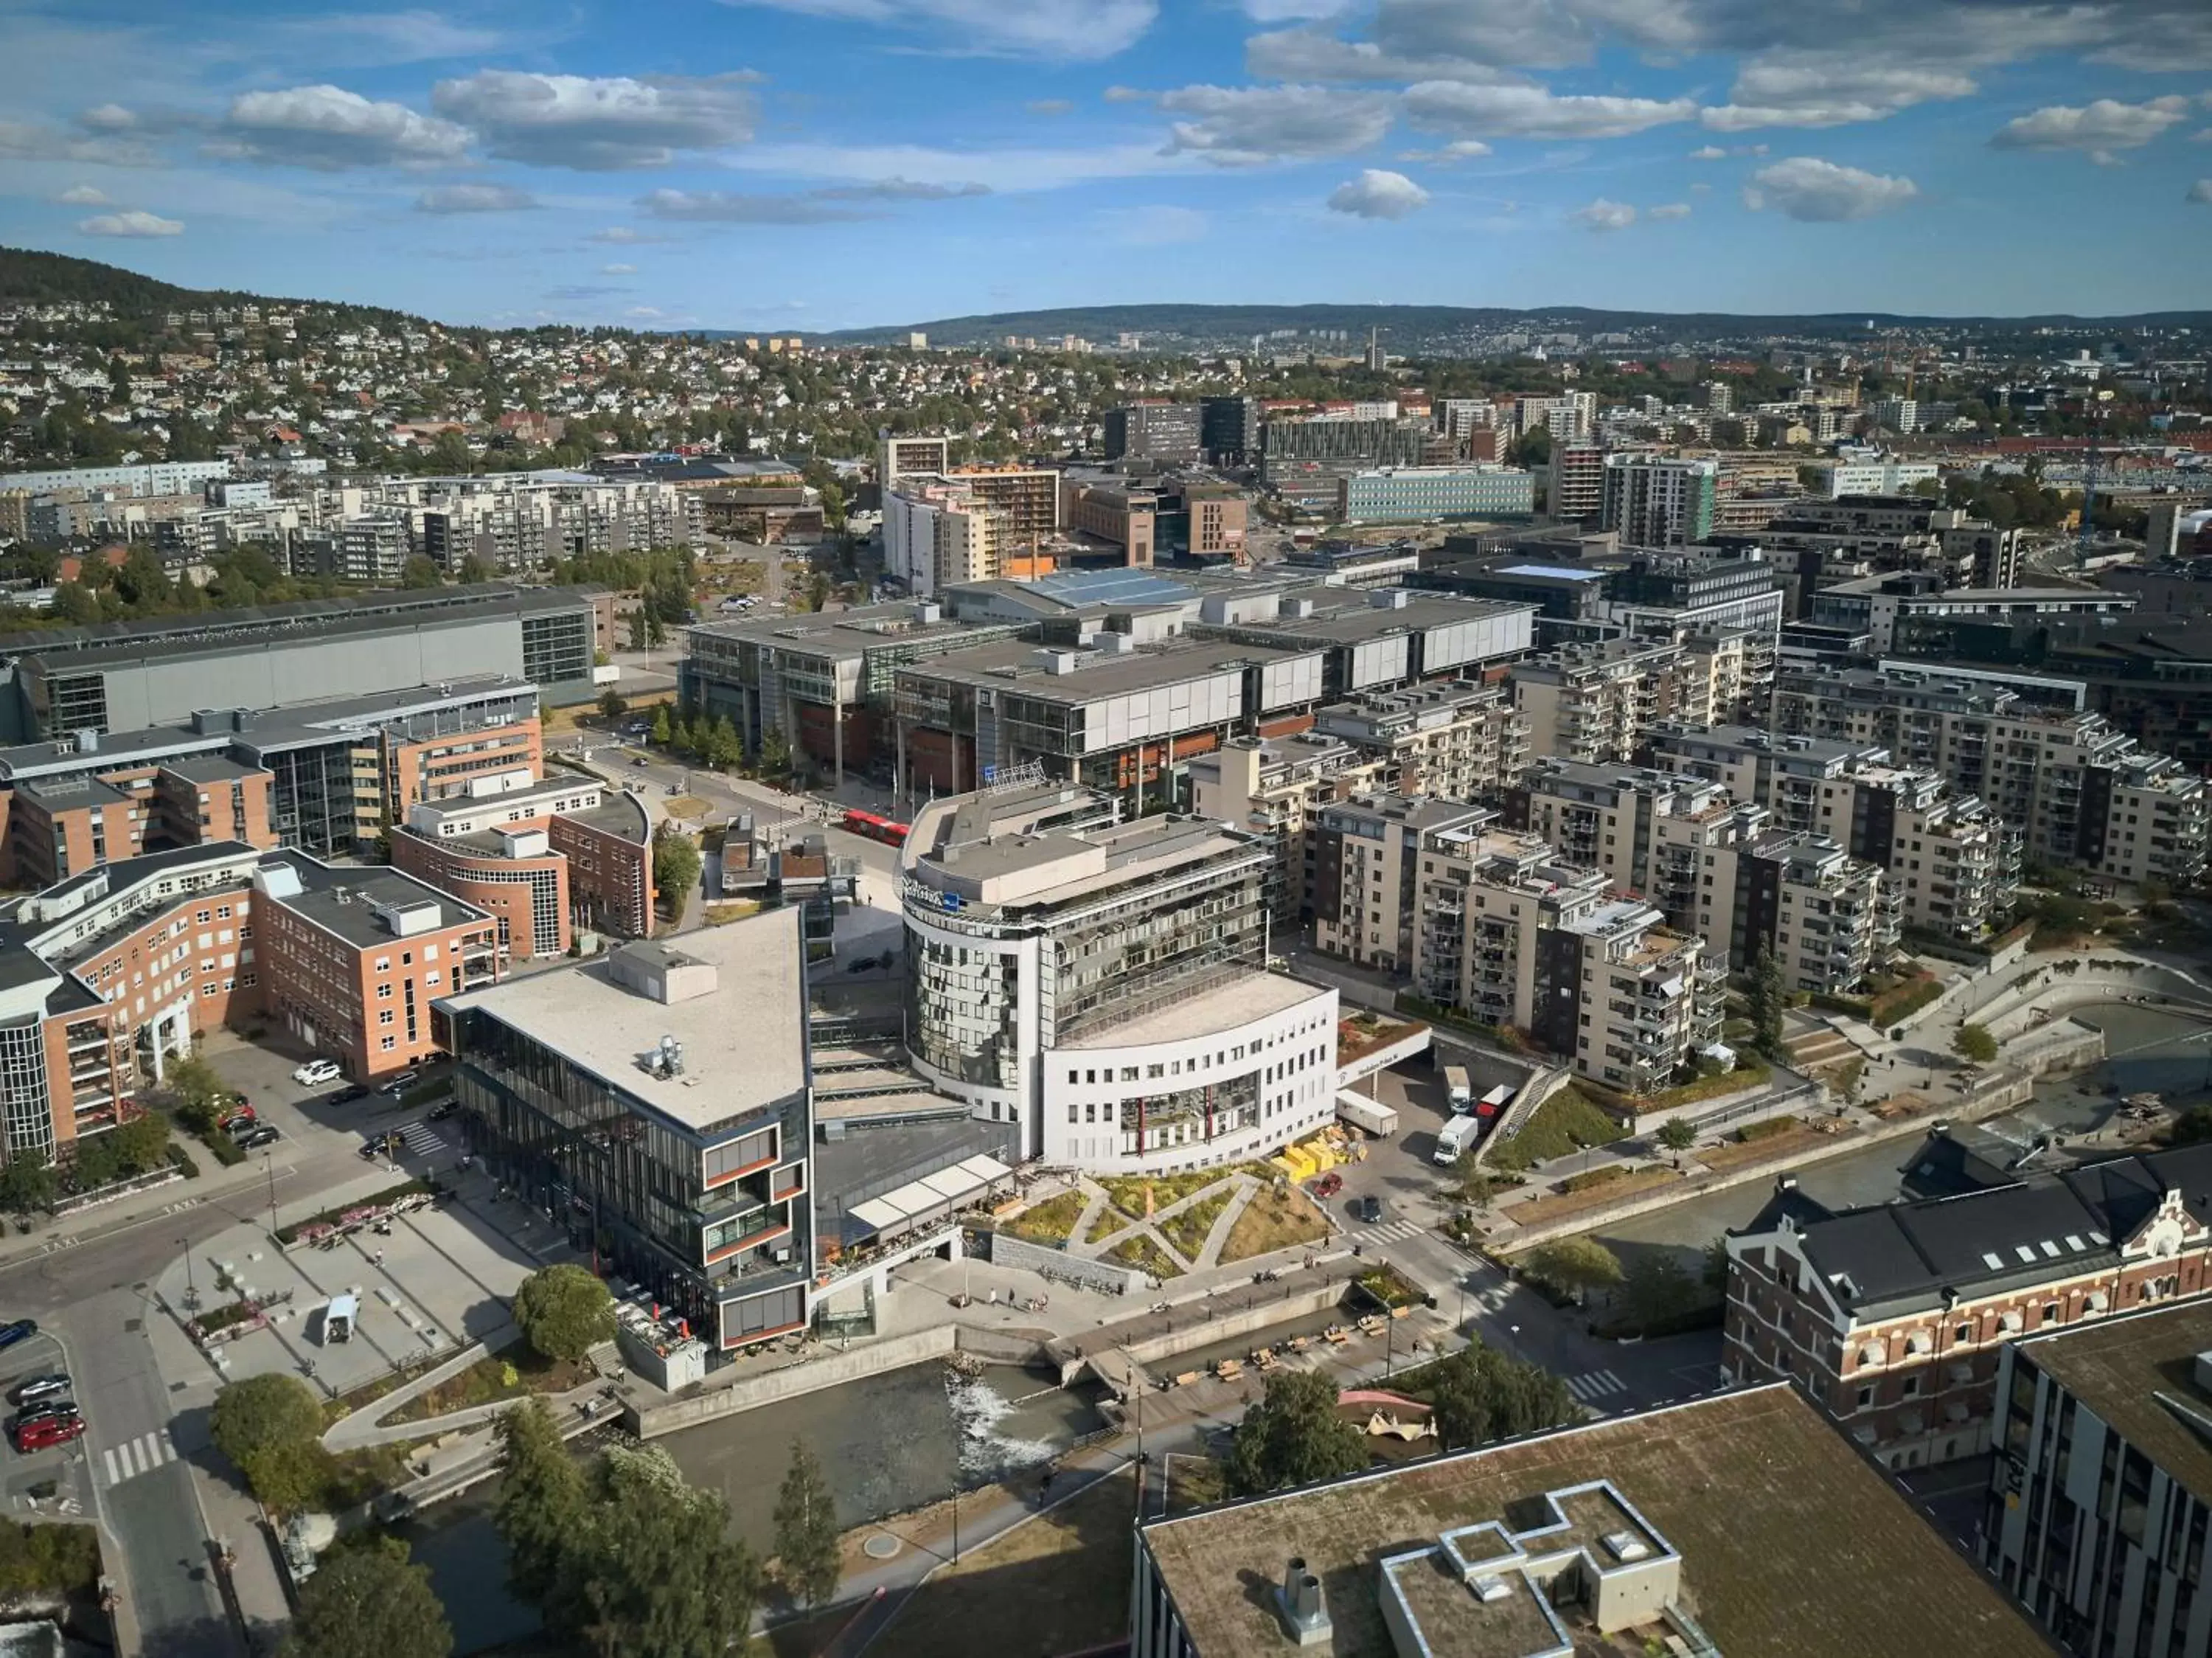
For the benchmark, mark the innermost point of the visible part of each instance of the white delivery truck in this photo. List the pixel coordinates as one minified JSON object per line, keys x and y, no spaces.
{"x":1372,"y":1116}
{"x":1457,"y":1134}
{"x":1459,"y":1087}
{"x":339,"y":1318}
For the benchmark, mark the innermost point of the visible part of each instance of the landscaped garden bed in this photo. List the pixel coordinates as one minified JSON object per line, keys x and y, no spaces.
{"x":333,"y":1223}
{"x":521,"y":1369}
{"x":1569,"y":1121}
{"x":1047,"y":1222}
{"x":1189,"y":1227}
{"x":1278,"y":1216}
{"x":1140,"y":1252}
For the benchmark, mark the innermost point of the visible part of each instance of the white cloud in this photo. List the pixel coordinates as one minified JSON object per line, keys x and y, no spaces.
{"x":475,"y":198}
{"x":600,"y":124}
{"x":618,"y":270}
{"x":620,"y":235}
{"x":28,"y":141}
{"x":1378,"y":193}
{"x":727,"y":207}
{"x":2099,"y":128}
{"x":1603,"y":214}
{"x":2200,"y":192}
{"x":1307,"y":54}
{"x":900,"y":190}
{"x":136,"y":222}
{"x":1460,"y":149}
{"x":1016,"y":170}
{"x":1828,"y":89}
{"x":106,"y":117}
{"x":1523,"y":112}
{"x":1821,"y":192}
{"x":1244,"y":126}
{"x":1293,"y":11}
{"x":1153,"y":227}
{"x":1066,"y":29}
{"x":1708,"y":153}
{"x":329,"y":128}
{"x":83,"y":195}
{"x":1669,"y":210}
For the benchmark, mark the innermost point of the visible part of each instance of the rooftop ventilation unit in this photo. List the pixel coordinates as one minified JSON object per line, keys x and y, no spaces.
{"x":1298,"y":1604}
{"x":1389,"y":599}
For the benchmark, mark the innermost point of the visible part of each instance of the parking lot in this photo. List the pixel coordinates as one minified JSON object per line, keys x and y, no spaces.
{"x":56,"y":1480}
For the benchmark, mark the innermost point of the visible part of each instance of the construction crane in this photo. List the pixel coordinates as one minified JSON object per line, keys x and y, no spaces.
{"x":2090,"y":462}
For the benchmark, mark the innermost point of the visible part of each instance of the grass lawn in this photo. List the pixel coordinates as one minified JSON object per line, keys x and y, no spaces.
{"x":1049,"y":1221}
{"x":1540,"y":1212}
{"x":1126,"y":1192}
{"x":1104,"y":1225}
{"x":1140,"y":1252}
{"x":1187,"y":1228}
{"x":736,"y":910}
{"x":685,"y":806}
{"x":1774,"y":1148}
{"x":1276,"y":1218}
{"x":1567,"y":1122}
{"x":509,"y":1374}
{"x":1057,"y":1584}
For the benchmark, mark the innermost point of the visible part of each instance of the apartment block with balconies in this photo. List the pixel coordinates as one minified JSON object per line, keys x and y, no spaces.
{"x":1593,"y":702}
{"x":1834,"y":919}
{"x":1365,"y":895}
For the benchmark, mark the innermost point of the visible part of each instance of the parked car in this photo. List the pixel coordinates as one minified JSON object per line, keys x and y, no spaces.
{"x":400,"y":1083}
{"x":316,"y":1072}
{"x":1328,"y":1184}
{"x":234,"y":1120}
{"x":1367,"y":1210}
{"x":46,"y":1409}
{"x":443,"y":1110}
{"x":22,"y":1328}
{"x":53,"y":1385}
{"x":47,"y":1431}
{"x":260,"y":1134}
{"x":348,"y":1094}
{"x":861,"y":964}
{"x":641,"y":760}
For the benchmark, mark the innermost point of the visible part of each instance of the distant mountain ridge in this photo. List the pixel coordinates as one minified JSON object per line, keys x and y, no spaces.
{"x":28,"y":275}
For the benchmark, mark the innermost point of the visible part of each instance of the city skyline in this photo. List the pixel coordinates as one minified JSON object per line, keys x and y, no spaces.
{"x":815,"y":165}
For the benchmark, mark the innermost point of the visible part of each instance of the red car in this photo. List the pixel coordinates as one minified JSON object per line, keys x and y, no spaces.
{"x":44,"y":1431}
{"x":1328,"y":1185}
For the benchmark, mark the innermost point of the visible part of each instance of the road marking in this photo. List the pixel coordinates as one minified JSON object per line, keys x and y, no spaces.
{"x":1596,"y":1385}
{"x":59,"y":1244}
{"x":139,"y":1456}
{"x":1391,"y":1232}
{"x":423,"y":1140}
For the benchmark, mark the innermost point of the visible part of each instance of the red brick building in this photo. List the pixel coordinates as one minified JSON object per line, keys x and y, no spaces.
{"x":1892,"y":1317}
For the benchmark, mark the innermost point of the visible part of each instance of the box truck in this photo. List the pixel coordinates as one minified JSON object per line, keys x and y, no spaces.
{"x":1371,"y":1115}
{"x":1455,"y":1137}
{"x":1459,"y":1087}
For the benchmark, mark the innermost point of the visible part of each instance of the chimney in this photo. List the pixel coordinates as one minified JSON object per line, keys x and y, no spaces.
{"x":1298,"y":1604}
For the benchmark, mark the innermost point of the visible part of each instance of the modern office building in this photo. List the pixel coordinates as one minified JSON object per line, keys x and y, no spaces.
{"x":1402,"y":495}
{"x":325,"y":777}
{"x":1735,"y":1524}
{"x":156,"y":477}
{"x":1112,"y":510}
{"x":2079,"y":792}
{"x":1303,"y":460}
{"x":1102,"y":983}
{"x":1512,"y":935}
{"x":547,"y":857}
{"x":1653,"y":501}
{"x":1155,"y":429}
{"x":896,"y":457}
{"x":130,"y":676}
{"x":2101,"y":1490}
{"x":1887,"y":476}
{"x":1893,"y":1317}
{"x":621,"y":1095}
{"x":1228,"y":429}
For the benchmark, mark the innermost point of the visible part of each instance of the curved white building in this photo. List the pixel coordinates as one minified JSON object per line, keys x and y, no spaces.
{"x":1103,"y":984}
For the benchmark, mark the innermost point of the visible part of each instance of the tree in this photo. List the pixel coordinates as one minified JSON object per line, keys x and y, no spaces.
{"x":1480,"y":1394}
{"x":1769,"y":997}
{"x":26,"y":1182}
{"x":420,"y":572}
{"x":774,"y":755}
{"x":641,"y":630}
{"x":564,"y":1312}
{"x":1975,"y":1044}
{"x":613,"y":703}
{"x":818,"y":588}
{"x":723,"y":749}
{"x":141,"y":1143}
{"x":1659,"y":1289}
{"x":198,"y":1092}
{"x":542,"y":1500}
{"x":806,"y":1542}
{"x":1676,"y":1134}
{"x":655,"y":1570}
{"x":475,"y":570}
{"x":1573,"y":1265}
{"x":1294,"y":1436}
{"x":661,"y":729}
{"x":674,"y":868}
{"x":272,"y":1427}
{"x":368,"y":1601}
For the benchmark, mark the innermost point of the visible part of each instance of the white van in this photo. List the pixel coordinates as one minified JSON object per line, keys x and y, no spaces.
{"x":339,"y":1318}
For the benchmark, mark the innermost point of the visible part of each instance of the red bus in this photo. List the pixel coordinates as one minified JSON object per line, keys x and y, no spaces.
{"x":875,"y":828}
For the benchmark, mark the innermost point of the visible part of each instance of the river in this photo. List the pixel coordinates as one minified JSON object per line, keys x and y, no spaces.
{"x":2147,"y":1049}
{"x":887,"y":1443}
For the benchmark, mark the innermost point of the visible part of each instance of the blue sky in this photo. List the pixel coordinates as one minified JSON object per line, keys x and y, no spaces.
{"x":806,"y":164}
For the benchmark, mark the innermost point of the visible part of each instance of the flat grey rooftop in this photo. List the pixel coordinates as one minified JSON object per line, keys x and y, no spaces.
{"x":743,"y":1050}
{"x":210,"y":768}
{"x":342,"y":898}
{"x":1098,"y":674}
{"x":1230,"y":1000}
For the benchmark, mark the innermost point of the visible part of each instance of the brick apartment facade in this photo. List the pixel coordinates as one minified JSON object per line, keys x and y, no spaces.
{"x":1892,"y":1318}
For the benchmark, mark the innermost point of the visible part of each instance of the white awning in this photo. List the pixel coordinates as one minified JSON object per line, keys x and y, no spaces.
{"x":932,"y":1196}
{"x":1672,"y":987}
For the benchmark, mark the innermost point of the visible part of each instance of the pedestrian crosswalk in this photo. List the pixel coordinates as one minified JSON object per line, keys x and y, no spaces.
{"x":1594,"y":1385}
{"x":1389,"y":1231}
{"x":139,"y":1456}
{"x":423,"y":1141}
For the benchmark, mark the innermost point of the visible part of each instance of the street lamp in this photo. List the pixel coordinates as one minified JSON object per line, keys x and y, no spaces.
{"x":192,"y":1286}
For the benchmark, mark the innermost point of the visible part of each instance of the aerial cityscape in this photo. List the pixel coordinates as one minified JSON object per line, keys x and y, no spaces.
{"x":1177,"y":828}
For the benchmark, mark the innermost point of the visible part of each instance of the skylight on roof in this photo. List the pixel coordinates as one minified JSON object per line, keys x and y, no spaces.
{"x":2073,"y":1242}
{"x":2024,"y":1253}
{"x":1994,"y":1262}
{"x":2100,"y":1239}
{"x":2050,"y":1250}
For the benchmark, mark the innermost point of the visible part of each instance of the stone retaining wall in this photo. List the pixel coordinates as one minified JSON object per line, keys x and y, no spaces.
{"x":1105,"y":1276}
